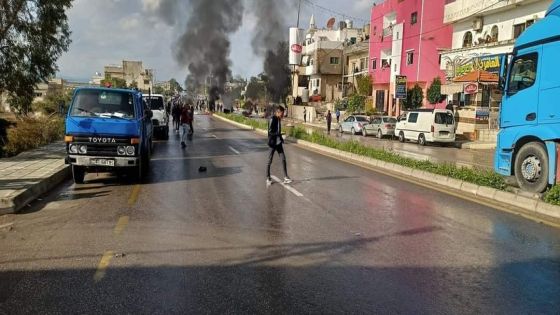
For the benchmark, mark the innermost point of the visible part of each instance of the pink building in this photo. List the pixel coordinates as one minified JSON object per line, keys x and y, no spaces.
{"x":406,"y":39}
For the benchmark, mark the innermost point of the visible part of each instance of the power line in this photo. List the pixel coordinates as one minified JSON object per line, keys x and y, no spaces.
{"x":313,"y":5}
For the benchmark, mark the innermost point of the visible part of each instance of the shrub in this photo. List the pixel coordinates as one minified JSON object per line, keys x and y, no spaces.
{"x":434,"y":91}
{"x":31,"y":133}
{"x":356,"y":103}
{"x":552,"y":196}
{"x":414,"y":98}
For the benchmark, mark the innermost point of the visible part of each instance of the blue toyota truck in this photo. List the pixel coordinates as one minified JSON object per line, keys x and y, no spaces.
{"x":529,"y":138}
{"x":108,"y":130}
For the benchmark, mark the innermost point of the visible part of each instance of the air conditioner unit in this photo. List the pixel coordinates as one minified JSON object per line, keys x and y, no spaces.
{"x":478,"y":24}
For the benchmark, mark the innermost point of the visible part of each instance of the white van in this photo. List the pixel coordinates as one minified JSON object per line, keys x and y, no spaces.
{"x":426,"y":125}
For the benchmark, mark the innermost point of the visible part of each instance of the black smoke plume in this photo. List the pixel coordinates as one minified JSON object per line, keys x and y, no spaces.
{"x":270,"y":41}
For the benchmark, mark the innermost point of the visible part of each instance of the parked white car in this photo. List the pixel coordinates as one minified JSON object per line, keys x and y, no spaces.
{"x":160,"y":120}
{"x":427,"y":126}
{"x":354,"y":124}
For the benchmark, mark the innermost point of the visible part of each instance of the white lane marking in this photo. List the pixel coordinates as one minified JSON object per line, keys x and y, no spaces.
{"x":289,"y":188}
{"x":234,"y":151}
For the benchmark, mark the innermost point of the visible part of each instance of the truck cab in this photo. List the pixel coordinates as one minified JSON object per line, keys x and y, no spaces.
{"x":529,"y":137}
{"x":108,"y":130}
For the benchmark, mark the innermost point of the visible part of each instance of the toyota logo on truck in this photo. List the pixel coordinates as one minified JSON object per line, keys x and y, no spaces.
{"x":102,"y":140}
{"x":297,"y":48}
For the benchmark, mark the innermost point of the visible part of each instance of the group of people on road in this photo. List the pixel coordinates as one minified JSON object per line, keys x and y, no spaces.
{"x":183,"y":118}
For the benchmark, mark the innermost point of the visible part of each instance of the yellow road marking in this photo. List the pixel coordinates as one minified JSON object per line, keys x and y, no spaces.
{"x":121,"y":225}
{"x":448,"y":191}
{"x":103,"y":264}
{"x":134,"y":195}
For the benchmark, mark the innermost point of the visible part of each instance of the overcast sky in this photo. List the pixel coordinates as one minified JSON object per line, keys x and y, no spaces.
{"x":108,"y":31}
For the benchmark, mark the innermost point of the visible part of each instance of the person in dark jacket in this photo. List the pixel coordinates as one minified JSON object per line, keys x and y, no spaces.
{"x":329,"y":121}
{"x":275,"y":142}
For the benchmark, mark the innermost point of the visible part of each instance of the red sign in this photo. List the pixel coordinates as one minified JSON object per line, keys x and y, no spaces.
{"x":297,"y":48}
{"x":471,"y":88}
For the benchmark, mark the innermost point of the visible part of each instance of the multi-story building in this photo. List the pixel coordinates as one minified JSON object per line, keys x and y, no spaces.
{"x":484,"y":31}
{"x":321,"y":69}
{"x":51,"y":87}
{"x":132,"y":72}
{"x":406,"y":39}
{"x":96,"y":79}
{"x":356,"y":61}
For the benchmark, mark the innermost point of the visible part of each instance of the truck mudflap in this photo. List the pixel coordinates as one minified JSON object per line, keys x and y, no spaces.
{"x":502,"y":162}
{"x":554,"y":158}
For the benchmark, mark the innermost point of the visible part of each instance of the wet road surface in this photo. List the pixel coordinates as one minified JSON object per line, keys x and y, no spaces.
{"x":340,"y":239}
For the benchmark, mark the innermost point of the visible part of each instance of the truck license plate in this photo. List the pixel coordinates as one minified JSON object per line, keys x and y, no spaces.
{"x":103,"y":162}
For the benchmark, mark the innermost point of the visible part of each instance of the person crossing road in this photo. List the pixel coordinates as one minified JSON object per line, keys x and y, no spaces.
{"x":275,"y":142}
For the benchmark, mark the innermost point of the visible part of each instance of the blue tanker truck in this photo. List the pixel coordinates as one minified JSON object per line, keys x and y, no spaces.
{"x":528,"y":143}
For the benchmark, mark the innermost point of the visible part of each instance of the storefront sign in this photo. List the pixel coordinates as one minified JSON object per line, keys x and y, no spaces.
{"x":400,"y":87}
{"x":296,"y":39}
{"x":490,"y":64}
{"x":482,"y":113}
{"x":471,"y":88}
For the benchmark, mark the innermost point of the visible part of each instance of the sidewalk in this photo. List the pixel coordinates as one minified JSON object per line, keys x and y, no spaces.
{"x":480,"y":155}
{"x":27,"y":176}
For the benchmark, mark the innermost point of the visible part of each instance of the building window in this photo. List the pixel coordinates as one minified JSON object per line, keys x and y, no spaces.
{"x":529,"y":23}
{"x":146,"y":82}
{"x":410,"y":57}
{"x":335,"y":60}
{"x":385,"y":63}
{"x":374,"y":64}
{"x":494,"y":34}
{"x":467,"y":40}
{"x":518,"y":29}
{"x":413,"y":18}
{"x":363,"y":64}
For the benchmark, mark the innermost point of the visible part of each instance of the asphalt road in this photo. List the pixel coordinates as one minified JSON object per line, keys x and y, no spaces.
{"x":340,"y":239}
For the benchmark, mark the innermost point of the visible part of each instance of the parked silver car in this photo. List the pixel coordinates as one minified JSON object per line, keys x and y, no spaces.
{"x":380,"y":126}
{"x":353,"y":124}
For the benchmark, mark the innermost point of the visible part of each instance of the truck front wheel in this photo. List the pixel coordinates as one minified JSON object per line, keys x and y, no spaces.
{"x":78,"y":174}
{"x":531,"y":167}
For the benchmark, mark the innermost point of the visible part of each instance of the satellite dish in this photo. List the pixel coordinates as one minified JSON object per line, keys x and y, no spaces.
{"x":330,"y":23}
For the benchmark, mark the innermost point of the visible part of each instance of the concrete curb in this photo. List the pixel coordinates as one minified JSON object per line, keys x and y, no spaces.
{"x":533,"y":207}
{"x":20,"y":198}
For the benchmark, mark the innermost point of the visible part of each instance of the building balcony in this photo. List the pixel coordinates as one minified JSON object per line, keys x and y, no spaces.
{"x":457,"y":10}
{"x":506,"y":45}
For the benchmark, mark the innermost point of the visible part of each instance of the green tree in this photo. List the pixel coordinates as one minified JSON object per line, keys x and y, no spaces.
{"x":159,"y":90}
{"x":356,"y":103}
{"x":33,"y":35}
{"x":434,"y":91}
{"x":255,"y":89}
{"x":52,"y":102}
{"x":365,"y":85}
{"x":175,"y":86}
{"x":414,"y":98}
{"x":133,"y":84}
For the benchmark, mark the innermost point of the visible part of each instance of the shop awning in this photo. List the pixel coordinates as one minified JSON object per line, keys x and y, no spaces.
{"x":480,"y":76}
{"x":451,"y":88}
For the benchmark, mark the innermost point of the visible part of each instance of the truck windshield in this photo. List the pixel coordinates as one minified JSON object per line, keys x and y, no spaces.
{"x":156,"y":102}
{"x":99,"y":103}
{"x":444,"y":119}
